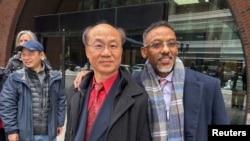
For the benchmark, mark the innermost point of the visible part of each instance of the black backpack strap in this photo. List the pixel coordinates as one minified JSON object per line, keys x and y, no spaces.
{"x":4,"y":73}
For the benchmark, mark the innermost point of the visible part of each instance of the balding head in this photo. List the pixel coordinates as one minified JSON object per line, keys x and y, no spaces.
{"x":102,"y":27}
{"x":103,"y":48}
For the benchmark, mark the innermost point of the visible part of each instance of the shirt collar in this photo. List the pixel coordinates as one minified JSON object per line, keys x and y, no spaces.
{"x":168,"y":77}
{"x":107,"y":83}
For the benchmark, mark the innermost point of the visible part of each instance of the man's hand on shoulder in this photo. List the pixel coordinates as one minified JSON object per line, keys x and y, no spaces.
{"x":79,"y":77}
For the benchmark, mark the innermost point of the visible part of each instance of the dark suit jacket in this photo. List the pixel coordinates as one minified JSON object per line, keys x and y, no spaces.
{"x":203,"y":104}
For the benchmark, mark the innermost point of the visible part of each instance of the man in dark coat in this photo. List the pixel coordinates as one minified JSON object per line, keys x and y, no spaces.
{"x":120,"y":112}
{"x":190,"y":100}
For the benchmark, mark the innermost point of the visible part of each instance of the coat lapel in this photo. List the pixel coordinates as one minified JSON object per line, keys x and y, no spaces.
{"x":122,"y":106}
{"x":192,"y":103}
{"x":124,"y":98}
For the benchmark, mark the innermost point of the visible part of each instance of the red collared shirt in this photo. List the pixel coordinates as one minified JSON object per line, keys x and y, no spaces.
{"x":103,"y":93}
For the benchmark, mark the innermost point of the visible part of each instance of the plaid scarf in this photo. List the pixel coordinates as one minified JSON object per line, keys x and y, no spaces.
{"x":161,"y":129}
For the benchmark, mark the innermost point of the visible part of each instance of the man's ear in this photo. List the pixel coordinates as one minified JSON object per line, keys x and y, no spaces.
{"x":144,"y":52}
{"x":86,"y":52}
{"x":42,"y":56}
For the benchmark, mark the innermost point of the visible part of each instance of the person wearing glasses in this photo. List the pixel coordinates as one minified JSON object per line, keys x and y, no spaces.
{"x":190,"y":100}
{"x":182,"y":102}
{"x":108,"y":104}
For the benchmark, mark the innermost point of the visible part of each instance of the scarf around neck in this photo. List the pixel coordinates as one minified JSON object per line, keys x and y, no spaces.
{"x":161,"y":129}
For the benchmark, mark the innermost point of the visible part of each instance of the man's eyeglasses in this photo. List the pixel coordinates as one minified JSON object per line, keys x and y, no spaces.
{"x":158,"y":44}
{"x":101,"y":47}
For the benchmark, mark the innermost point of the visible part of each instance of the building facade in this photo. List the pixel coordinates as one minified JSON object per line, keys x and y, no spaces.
{"x":214,"y":36}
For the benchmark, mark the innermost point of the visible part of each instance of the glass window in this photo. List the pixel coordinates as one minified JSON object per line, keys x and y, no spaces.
{"x":209,"y":44}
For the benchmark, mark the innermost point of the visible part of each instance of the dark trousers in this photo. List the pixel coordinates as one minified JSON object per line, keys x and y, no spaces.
{"x":238,"y":98}
{"x":2,"y":134}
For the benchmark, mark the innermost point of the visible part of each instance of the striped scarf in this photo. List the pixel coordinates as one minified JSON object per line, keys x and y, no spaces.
{"x":161,"y":129}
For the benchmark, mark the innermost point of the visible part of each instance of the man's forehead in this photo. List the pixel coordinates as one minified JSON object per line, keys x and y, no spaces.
{"x":102,"y":31}
{"x":160,"y":31}
{"x":105,"y":38}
